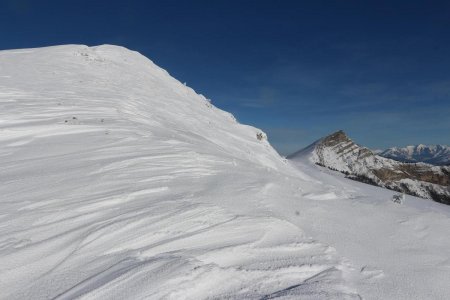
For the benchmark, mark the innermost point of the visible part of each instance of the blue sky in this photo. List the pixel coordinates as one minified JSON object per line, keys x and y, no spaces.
{"x":380,"y":70}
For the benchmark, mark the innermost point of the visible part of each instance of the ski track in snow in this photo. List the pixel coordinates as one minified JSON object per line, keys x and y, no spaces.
{"x":119,"y":182}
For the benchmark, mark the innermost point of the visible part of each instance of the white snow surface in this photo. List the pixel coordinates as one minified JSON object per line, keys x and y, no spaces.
{"x":119,"y":182}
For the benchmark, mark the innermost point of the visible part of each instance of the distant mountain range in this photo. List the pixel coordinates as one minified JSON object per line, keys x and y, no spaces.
{"x":338,"y":152}
{"x":436,"y":154}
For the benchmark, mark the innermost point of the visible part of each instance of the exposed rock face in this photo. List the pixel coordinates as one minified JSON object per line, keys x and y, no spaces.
{"x":436,"y":155}
{"x":338,"y":152}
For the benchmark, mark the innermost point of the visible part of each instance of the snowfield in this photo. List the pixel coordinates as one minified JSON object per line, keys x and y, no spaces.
{"x":119,"y":182}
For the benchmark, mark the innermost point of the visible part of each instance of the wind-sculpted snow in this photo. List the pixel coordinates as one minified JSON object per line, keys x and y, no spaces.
{"x":119,"y":182}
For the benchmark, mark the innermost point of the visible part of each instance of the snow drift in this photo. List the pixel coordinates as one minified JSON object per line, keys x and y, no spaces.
{"x":119,"y":182}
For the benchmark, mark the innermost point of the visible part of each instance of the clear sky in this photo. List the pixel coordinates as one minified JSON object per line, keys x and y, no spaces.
{"x":380,"y":70}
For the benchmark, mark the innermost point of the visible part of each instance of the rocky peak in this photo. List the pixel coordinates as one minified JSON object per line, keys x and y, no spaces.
{"x":338,"y":152}
{"x":343,"y":146}
{"x":335,"y":138}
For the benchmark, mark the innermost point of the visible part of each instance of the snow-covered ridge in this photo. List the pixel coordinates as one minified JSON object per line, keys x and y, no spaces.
{"x":118,"y":181}
{"x":338,"y":152}
{"x":432,"y":154}
{"x":119,"y":84}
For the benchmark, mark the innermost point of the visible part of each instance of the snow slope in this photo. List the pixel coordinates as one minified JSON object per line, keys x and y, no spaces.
{"x":401,"y":250}
{"x":119,"y":182}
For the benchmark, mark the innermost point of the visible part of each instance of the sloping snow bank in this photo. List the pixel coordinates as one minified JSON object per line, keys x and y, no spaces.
{"x":401,"y":250}
{"x":119,"y":182}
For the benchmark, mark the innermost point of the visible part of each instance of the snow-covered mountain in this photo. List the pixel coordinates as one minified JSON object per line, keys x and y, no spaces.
{"x":338,"y":152}
{"x":435,"y":154}
{"x":119,"y":182}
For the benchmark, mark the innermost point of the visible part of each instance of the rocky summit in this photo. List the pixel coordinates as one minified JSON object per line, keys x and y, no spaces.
{"x":338,"y":152}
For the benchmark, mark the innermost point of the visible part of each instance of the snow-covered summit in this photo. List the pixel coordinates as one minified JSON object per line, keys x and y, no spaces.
{"x":112,"y":83}
{"x":432,"y":154}
{"x":338,"y":152}
{"x":119,"y":182}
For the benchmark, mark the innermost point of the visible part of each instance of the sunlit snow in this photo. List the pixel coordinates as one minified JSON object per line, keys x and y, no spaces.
{"x":119,"y":182}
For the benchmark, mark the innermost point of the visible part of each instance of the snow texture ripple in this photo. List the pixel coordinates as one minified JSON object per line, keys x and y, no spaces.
{"x":119,"y":182}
